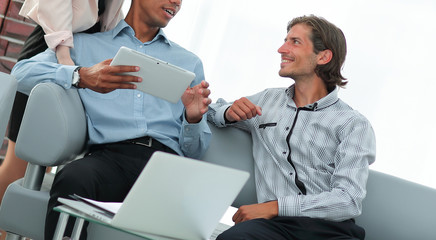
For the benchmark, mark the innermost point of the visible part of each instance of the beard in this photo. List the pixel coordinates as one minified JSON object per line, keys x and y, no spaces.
{"x":299,"y":70}
{"x":297,"y":75}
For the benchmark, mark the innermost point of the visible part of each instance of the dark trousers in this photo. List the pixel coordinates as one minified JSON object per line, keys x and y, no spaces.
{"x":293,"y":228}
{"x":106,"y":173}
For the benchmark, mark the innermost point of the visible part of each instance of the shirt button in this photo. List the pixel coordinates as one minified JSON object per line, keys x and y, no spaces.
{"x":140,"y":46}
{"x":291,"y":173}
{"x":299,"y":193}
{"x":284,"y":152}
{"x":287,"y":128}
{"x":139,"y":95}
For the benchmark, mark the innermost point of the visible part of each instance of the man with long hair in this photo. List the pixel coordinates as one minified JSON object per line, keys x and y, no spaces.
{"x":311,"y":150}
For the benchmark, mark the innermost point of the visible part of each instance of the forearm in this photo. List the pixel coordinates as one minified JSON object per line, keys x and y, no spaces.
{"x":343,"y":201}
{"x":335,"y":206}
{"x":41,"y":68}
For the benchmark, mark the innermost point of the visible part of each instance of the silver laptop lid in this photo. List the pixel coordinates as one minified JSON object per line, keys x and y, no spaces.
{"x":179,"y":197}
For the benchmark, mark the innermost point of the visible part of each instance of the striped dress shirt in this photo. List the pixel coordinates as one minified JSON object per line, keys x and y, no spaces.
{"x":313,"y":159}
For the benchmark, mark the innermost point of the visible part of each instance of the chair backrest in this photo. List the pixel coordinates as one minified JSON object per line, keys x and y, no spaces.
{"x":233,"y":148}
{"x":8,"y":88}
{"x":53,"y":129}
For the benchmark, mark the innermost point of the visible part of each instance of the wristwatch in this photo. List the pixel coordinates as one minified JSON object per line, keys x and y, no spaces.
{"x":76,"y":77}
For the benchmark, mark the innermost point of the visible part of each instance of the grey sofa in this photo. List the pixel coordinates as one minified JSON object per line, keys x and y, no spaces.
{"x":54,"y":132}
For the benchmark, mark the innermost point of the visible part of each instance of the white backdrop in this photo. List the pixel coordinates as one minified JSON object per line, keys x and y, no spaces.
{"x":391,"y":45}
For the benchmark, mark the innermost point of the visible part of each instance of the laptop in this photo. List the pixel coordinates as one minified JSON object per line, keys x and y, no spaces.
{"x":160,"y":79}
{"x":174,"y":197}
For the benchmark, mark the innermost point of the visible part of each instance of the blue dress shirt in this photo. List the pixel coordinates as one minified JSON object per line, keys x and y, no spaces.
{"x":124,"y":113}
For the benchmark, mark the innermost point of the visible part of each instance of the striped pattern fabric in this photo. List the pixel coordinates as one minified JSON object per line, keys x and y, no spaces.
{"x":313,"y":159}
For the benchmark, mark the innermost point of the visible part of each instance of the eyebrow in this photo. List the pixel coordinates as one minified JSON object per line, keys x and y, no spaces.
{"x":294,"y":38}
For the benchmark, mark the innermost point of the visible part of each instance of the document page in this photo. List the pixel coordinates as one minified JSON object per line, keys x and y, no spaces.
{"x":112,"y":207}
{"x":227,"y":217}
{"x":225,"y":223}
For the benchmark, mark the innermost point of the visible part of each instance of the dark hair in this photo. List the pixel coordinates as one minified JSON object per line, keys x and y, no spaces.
{"x":326,"y":35}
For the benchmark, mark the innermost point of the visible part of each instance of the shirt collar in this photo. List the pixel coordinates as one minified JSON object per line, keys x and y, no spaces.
{"x":324,"y":102}
{"x":123,"y":26}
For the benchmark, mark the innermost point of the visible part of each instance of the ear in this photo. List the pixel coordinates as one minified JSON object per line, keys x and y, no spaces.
{"x":325,"y":57}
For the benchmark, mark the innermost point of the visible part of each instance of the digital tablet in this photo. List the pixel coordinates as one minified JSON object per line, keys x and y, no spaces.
{"x":159,"y":78}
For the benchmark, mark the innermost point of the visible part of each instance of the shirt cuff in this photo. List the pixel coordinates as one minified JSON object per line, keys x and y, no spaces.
{"x":59,"y":38}
{"x":289,"y":206}
{"x":64,"y":75}
{"x":192,"y":129}
{"x":191,"y":133}
{"x":219,"y":118}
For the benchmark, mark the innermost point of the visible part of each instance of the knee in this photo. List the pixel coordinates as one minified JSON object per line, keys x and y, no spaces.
{"x":71,"y":180}
{"x":229,"y":234}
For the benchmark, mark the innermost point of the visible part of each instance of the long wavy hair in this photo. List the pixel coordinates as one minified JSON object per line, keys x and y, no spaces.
{"x":326,"y":35}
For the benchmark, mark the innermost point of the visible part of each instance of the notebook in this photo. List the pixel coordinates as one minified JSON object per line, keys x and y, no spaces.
{"x":174,"y":197}
{"x":159,"y":78}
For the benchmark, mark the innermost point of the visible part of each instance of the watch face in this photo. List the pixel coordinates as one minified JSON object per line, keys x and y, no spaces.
{"x":76,"y":78}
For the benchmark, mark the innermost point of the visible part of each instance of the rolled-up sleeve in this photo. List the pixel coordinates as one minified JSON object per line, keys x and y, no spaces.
{"x":42,"y":68}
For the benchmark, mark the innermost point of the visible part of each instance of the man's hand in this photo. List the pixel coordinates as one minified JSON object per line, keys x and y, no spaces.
{"x":196,"y":101}
{"x":104,"y":78}
{"x":266,"y":210}
{"x":242,"y":109}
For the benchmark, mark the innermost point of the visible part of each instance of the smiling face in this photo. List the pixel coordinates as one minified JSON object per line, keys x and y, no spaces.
{"x":297,"y":55}
{"x":158,"y":13}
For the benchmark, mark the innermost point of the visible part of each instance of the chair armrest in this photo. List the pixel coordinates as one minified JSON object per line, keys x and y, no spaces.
{"x":53,"y":130}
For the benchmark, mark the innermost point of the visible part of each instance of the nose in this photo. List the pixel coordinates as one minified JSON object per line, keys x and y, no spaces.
{"x":177,"y":2}
{"x":282,"y":49}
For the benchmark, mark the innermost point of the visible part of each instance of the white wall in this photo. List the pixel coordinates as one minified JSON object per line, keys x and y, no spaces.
{"x":390,"y":62}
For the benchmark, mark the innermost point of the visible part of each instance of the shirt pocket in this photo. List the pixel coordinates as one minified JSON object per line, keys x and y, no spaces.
{"x":97,"y":95}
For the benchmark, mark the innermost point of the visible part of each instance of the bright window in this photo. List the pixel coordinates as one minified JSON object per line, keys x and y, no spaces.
{"x":390,"y":64}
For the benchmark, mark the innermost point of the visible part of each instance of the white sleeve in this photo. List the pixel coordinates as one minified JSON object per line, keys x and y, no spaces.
{"x":60,"y":19}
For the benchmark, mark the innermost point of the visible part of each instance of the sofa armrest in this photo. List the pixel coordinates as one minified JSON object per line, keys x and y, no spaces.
{"x":53,"y":130}
{"x":395,"y":208}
